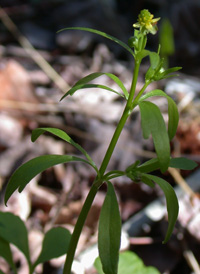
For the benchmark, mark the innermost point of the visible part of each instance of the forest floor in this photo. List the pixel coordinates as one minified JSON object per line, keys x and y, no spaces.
{"x":33,"y":77}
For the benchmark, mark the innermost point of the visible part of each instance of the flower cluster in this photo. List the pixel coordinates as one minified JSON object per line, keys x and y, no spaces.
{"x":146,"y":23}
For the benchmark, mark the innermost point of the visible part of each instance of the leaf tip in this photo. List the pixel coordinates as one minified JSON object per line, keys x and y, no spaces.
{"x":32,"y":139}
{"x":6,"y":198}
{"x":166,"y":239}
{"x":63,"y":97}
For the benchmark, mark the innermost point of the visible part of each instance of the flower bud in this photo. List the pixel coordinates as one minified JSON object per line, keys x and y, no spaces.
{"x":133,"y":42}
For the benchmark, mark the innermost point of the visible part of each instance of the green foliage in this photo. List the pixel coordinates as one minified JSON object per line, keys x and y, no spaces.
{"x":172,"y":203}
{"x":58,"y":241}
{"x":13,"y":231}
{"x":114,"y":39}
{"x":64,"y":136}
{"x":129,"y":263}
{"x":166,"y":37}
{"x":83,"y":83}
{"x":55,"y":244}
{"x":5,"y":252}
{"x":109,"y":232}
{"x":25,"y":173}
{"x":182,"y":163}
{"x":153,"y":123}
{"x":172,"y":110}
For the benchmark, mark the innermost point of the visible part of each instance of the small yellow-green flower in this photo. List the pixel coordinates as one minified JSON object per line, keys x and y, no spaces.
{"x":146,"y":23}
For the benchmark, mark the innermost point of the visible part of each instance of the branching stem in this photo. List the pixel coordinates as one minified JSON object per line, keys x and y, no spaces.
{"x":98,"y":182}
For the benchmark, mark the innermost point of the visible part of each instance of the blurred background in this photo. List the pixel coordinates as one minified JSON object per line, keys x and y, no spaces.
{"x":38,"y":65}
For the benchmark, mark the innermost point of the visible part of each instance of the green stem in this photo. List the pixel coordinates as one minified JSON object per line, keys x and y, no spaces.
{"x":31,"y":267}
{"x":140,"y":93}
{"x":125,"y":115}
{"x":114,"y":141}
{"x":98,"y":182}
{"x":133,"y":85}
{"x":78,"y":228}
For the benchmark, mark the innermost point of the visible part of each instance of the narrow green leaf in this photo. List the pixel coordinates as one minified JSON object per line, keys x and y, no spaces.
{"x":165,"y":73}
{"x":95,"y":75}
{"x":55,"y":244}
{"x":173,"y":117}
{"x":6,"y":253}
{"x":149,"y":74}
{"x":85,"y":86}
{"x":153,"y":123}
{"x":172,"y":203}
{"x":168,"y":76}
{"x":1,"y":272}
{"x":172,"y":110}
{"x":147,"y":181}
{"x":133,"y":166}
{"x":149,"y":166}
{"x":113,"y":174}
{"x":13,"y":230}
{"x":25,"y":173}
{"x":64,"y":136}
{"x":182,"y":163}
{"x":154,"y":59}
{"x":109,"y":232}
{"x":122,"y":44}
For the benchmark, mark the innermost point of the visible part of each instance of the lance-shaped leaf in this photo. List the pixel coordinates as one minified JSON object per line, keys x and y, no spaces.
{"x":25,"y":173}
{"x":55,"y":244}
{"x":153,"y":123}
{"x":172,"y":110}
{"x":113,"y":174}
{"x":114,"y":39}
{"x":147,"y":181}
{"x":109,"y":232}
{"x":83,"y":83}
{"x":64,"y":136}
{"x":149,"y":166}
{"x":154,"y":59}
{"x":13,"y":230}
{"x":75,"y":88}
{"x":167,"y":73}
{"x":182,"y":163}
{"x":6,"y":253}
{"x":172,"y":203}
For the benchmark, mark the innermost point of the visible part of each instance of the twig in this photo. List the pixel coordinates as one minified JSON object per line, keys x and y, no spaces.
{"x":141,"y":240}
{"x":190,"y":258}
{"x":32,"y":52}
{"x":181,"y":182}
{"x":55,"y":211}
